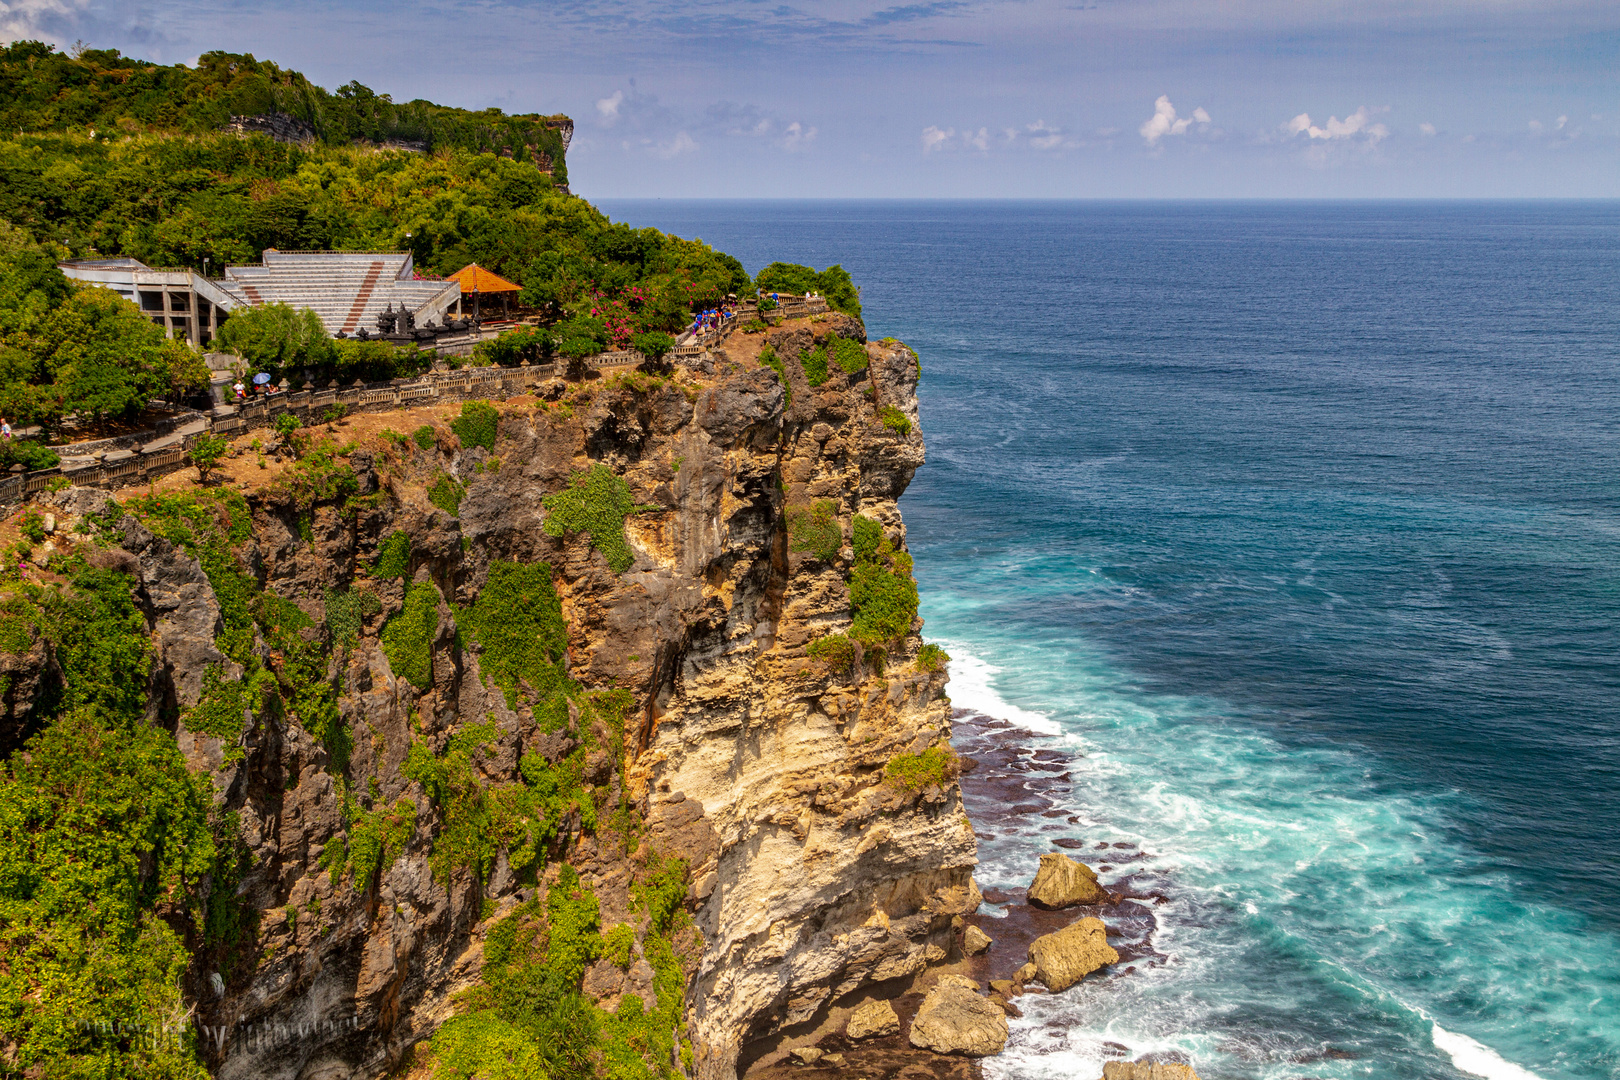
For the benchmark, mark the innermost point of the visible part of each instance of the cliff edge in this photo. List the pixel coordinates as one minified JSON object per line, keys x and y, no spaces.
{"x":591,"y":729}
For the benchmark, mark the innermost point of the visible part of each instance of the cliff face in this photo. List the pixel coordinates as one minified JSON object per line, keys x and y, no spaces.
{"x":699,"y":729}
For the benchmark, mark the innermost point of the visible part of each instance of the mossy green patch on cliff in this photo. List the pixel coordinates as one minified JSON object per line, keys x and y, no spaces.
{"x":895,"y":420}
{"x":393,"y":556}
{"x":849,"y":354}
{"x":595,"y":502}
{"x":837,"y":651}
{"x":446,"y":493}
{"x":527,"y":1007}
{"x":768,"y":357}
{"x":452,"y":782}
{"x":19,"y":622}
{"x":882,"y":592}
{"x":517,"y":621}
{"x":407,"y":638}
{"x":225,"y":706}
{"x":208,"y":525}
{"x":931,"y":658}
{"x":815,"y":529}
{"x":477,"y":425}
{"x":375,"y":839}
{"x":345,"y":616}
{"x":307,"y":690}
{"x":814,"y":363}
{"x":913,"y":772}
{"x":528,"y":1011}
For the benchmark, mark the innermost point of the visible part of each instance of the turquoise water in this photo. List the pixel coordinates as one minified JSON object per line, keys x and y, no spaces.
{"x":1298,"y":525}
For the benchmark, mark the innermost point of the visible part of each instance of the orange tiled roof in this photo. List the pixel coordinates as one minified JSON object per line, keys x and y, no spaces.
{"x":475,"y":278}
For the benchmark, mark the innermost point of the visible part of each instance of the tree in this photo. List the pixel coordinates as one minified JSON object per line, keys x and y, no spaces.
{"x":96,"y":356}
{"x":205,"y":453}
{"x":655,"y":346}
{"x":277,"y":338}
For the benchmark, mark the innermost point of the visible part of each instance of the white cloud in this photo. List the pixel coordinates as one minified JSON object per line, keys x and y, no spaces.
{"x":1357,"y":125}
{"x":609,"y":106}
{"x":1427,"y":128}
{"x":33,"y":19}
{"x":938,"y":138}
{"x":1562,"y":120}
{"x":797,"y":137}
{"x":682,"y":143}
{"x":1042,"y":137}
{"x":1164,"y":121}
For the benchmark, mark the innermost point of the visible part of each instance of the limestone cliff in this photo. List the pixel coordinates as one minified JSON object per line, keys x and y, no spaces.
{"x":803,"y":798}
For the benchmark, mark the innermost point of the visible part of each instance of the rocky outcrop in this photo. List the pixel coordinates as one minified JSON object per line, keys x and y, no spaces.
{"x":954,"y":1019}
{"x":1061,"y":882}
{"x":872,"y":1019}
{"x":975,"y":941}
{"x":761,"y":767}
{"x":1146,"y":1070}
{"x":1062,"y":959}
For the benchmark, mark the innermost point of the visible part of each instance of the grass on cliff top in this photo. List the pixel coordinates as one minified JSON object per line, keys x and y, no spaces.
{"x":596,"y":502}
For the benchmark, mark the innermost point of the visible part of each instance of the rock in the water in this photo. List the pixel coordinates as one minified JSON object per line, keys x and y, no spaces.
{"x":975,"y":941}
{"x":1061,"y":882}
{"x":873,"y":1018}
{"x":835,"y":1060}
{"x":956,"y":1020}
{"x":1146,"y":1070}
{"x":807,"y":1055}
{"x":1064,"y":958}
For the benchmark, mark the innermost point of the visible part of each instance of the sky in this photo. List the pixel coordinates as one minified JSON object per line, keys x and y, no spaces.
{"x":968,"y":98}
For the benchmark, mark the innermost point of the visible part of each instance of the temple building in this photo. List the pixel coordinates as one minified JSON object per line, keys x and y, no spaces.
{"x":346,"y":289}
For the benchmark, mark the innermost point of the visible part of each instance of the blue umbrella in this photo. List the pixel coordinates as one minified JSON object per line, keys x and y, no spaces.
{"x":261,"y":378}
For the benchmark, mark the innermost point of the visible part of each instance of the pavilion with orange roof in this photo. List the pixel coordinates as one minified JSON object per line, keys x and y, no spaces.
{"x":476,"y":282}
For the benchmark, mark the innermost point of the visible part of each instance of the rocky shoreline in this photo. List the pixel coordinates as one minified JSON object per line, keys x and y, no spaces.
{"x":1011,"y":784}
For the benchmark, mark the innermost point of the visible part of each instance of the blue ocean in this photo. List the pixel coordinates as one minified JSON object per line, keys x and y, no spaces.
{"x":1296,"y":527}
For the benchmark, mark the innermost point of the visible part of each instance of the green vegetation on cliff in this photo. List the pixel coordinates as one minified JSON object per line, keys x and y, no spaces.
{"x":815,"y":530}
{"x":833,"y":283}
{"x":913,"y":772}
{"x":517,"y":622}
{"x":595,"y":502}
{"x":882,"y":591}
{"x":527,"y":1017}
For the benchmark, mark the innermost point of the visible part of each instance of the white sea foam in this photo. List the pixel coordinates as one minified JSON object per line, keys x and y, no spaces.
{"x":1473,"y":1056}
{"x":972,"y":687}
